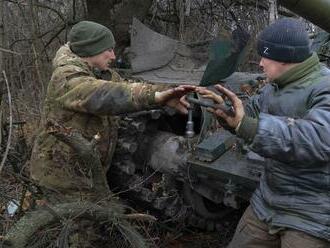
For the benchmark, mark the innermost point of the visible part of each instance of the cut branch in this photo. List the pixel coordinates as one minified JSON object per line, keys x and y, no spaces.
{"x":9,"y":51}
{"x":10,"y":123}
{"x":87,"y":153}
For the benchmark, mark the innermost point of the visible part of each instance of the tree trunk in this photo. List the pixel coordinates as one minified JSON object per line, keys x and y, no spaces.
{"x":180,"y":8}
{"x":118,"y":15}
{"x":273,"y":14}
{"x":113,"y":213}
{"x":37,"y":46}
{"x":2,"y":33}
{"x":2,"y":41}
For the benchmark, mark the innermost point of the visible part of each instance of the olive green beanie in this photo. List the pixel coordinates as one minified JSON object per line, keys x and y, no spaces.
{"x":90,"y":38}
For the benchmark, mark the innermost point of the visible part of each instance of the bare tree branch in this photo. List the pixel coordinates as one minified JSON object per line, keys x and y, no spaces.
{"x":9,"y":51}
{"x":10,"y":123}
{"x":40,"y":6}
{"x":86,"y":152}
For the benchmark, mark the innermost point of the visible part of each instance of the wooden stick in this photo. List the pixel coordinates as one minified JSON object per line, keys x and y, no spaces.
{"x":10,"y":123}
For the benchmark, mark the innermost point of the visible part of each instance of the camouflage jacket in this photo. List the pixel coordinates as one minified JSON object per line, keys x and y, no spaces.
{"x":76,"y":99}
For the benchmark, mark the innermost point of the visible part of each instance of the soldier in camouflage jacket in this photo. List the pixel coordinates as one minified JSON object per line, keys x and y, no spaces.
{"x":76,"y":99}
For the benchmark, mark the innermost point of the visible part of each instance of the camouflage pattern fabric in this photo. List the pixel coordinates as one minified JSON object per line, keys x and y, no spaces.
{"x":77,"y":99}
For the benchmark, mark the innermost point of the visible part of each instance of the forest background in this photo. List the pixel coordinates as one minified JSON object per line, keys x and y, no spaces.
{"x":31,"y":31}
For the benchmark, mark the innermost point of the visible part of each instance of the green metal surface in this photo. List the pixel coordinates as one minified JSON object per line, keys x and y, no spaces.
{"x":225,"y":54}
{"x":316,"y":11}
{"x":230,"y":166}
{"x":214,"y":146}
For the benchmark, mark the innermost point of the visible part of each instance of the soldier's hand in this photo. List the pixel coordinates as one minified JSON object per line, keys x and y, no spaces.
{"x":174,"y":97}
{"x":232,"y":119}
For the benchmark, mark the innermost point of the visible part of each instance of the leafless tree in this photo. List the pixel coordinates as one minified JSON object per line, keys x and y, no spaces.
{"x":31,"y":32}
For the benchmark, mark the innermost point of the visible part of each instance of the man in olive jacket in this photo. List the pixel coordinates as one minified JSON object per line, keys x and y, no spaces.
{"x":76,"y":99}
{"x":288,"y":123}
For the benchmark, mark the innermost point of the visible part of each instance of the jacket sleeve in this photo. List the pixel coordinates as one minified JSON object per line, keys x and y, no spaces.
{"x":87,"y":94}
{"x":252,"y":108}
{"x":305,"y":140}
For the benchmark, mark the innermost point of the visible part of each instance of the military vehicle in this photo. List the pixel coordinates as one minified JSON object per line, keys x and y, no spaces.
{"x":190,"y":168}
{"x":178,"y":167}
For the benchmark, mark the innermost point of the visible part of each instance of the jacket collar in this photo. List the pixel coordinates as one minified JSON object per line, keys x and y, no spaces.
{"x":64,"y":56}
{"x":299,"y":71}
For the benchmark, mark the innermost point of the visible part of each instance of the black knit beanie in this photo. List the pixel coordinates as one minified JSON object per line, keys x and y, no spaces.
{"x":286,"y":40}
{"x":90,"y":38}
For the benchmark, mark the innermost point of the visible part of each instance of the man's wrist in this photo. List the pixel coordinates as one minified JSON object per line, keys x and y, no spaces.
{"x":238,"y":126}
{"x":247,"y":128}
{"x":151,"y":98}
{"x":158,"y":94}
{"x":157,"y":98}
